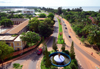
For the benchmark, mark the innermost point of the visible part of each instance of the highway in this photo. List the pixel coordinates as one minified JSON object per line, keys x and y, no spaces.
{"x":80,"y":51}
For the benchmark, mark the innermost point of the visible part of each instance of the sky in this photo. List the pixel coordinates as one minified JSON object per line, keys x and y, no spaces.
{"x":49,"y":3}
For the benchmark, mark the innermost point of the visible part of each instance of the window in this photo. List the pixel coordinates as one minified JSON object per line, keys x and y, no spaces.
{"x":17,"y":44}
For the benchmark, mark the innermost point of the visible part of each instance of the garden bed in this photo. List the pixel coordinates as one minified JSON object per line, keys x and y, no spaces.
{"x":60,"y":35}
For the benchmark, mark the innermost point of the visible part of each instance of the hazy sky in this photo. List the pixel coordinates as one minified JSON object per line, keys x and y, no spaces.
{"x":48,"y":3}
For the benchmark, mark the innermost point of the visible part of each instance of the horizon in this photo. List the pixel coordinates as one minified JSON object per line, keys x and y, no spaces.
{"x":49,"y":3}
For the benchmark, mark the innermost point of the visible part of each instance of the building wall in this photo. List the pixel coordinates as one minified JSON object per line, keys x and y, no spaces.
{"x":28,"y":11}
{"x":16,"y":48}
{"x":23,"y":30}
{"x":18,"y":45}
{"x":17,"y":21}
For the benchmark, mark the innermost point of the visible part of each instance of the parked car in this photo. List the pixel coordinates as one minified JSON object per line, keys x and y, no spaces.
{"x":65,"y":27}
{"x":39,"y":51}
{"x":69,"y":36}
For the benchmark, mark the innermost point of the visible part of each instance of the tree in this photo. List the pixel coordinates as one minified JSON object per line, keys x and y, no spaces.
{"x":6,"y":22}
{"x":4,"y":15}
{"x":30,"y":37}
{"x":63,"y":47}
{"x":73,"y":66}
{"x":5,"y":51}
{"x":44,"y":48}
{"x":59,"y":10}
{"x":33,"y":24}
{"x":49,"y":22}
{"x":18,"y":16}
{"x":42,"y":15}
{"x":54,"y":46}
{"x":51,"y":15}
{"x":93,"y":36}
{"x":72,"y":53}
{"x":45,"y":30}
{"x":48,"y":62}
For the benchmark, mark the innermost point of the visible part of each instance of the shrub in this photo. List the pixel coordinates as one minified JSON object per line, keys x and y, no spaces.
{"x":67,"y":52}
{"x":67,"y":67}
{"x":30,"y":44}
{"x":75,"y":62}
{"x":73,"y":66}
{"x":72,"y":53}
{"x":60,"y":33}
{"x":82,"y":39}
{"x":42,"y":15}
{"x":16,"y":65}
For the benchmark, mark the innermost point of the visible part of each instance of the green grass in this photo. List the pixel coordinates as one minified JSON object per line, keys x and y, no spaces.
{"x":60,"y":30}
{"x":14,"y":35}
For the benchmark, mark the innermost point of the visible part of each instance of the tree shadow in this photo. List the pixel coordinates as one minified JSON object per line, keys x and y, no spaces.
{"x":87,"y":45}
{"x":55,"y":29}
{"x":36,"y":57}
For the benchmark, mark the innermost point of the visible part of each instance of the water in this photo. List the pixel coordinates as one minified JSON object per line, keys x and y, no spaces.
{"x":85,"y":8}
{"x":66,"y":61}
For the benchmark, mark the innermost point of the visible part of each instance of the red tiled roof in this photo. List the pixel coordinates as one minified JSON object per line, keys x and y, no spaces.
{"x":18,"y":28}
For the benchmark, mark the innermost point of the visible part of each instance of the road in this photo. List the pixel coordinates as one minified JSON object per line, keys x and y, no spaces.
{"x":30,"y":61}
{"x":81,"y":54}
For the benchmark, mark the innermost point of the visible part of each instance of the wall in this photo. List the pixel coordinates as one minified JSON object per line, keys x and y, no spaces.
{"x":18,"y":44}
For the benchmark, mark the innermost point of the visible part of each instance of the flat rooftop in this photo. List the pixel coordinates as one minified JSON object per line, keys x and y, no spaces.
{"x":18,"y":38}
{"x":7,"y":37}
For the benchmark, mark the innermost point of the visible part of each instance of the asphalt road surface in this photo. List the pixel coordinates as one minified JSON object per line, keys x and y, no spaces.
{"x":78,"y":48}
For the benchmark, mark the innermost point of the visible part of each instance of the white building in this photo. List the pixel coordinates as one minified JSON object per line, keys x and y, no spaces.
{"x":28,"y":11}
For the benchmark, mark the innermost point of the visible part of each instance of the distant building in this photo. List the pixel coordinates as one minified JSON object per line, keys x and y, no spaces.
{"x":17,"y":21}
{"x":28,"y":11}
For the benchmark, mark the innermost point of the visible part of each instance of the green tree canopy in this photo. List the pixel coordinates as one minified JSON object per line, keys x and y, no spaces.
{"x":63,"y":47}
{"x":30,"y":37}
{"x":54,"y":46}
{"x":59,"y":10}
{"x":45,"y":30}
{"x":94,"y":36}
{"x":33,"y":24}
{"x":51,"y":15}
{"x":5,"y":51}
{"x":49,"y":22}
{"x":6,"y":22}
{"x":3,"y":15}
{"x":48,"y":62}
{"x":72,"y":53}
{"x":42,"y":15}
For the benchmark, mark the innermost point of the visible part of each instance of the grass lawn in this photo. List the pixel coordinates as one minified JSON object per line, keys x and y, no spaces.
{"x":59,"y":41}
